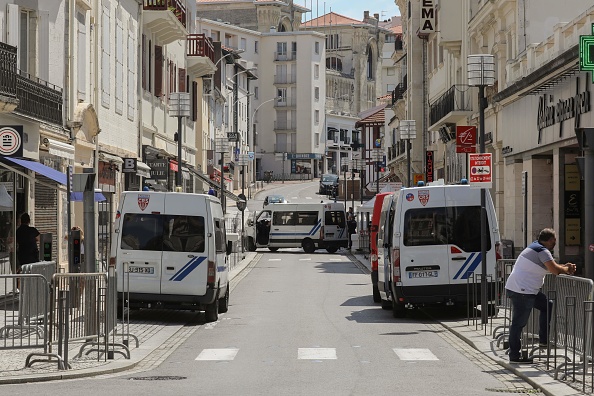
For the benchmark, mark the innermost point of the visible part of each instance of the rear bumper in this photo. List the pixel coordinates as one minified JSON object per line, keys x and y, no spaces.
{"x":441,"y":294}
{"x":164,"y":301}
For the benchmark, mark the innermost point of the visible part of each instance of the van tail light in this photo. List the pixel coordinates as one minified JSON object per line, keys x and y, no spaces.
{"x":396,"y":269}
{"x":212,"y":272}
{"x":322,"y":233}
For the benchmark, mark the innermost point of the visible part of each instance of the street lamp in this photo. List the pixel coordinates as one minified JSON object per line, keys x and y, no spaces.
{"x":243,"y":161}
{"x":179,"y":106}
{"x":221,"y":147}
{"x":255,"y":133}
{"x":481,"y":73}
{"x":356,"y":165}
{"x":377,"y":157}
{"x":408,"y":131}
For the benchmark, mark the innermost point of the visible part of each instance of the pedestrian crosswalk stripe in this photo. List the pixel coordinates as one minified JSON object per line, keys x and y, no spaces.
{"x":415,"y":354}
{"x":274,"y":259}
{"x":218,"y":354}
{"x":316,"y":353}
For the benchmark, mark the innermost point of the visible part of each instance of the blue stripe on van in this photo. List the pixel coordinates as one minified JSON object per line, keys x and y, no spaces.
{"x":469,"y":266}
{"x":315,"y":228}
{"x":186,"y":269}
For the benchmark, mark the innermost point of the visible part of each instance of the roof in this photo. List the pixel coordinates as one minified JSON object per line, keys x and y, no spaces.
{"x":333,"y":19}
{"x":279,"y":2}
{"x":373,"y":116}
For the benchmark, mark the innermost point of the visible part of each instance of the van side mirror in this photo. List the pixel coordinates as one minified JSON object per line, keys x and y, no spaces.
{"x":229,"y":247}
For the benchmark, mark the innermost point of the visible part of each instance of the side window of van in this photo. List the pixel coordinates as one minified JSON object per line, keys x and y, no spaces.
{"x":220,"y":241}
{"x":282,"y":218}
{"x":466,"y":228}
{"x":184,"y":234}
{"x":425,"y":226}
{"x":142,"y":232}
{"x":335,"y":217}
{"x":307,"y":218}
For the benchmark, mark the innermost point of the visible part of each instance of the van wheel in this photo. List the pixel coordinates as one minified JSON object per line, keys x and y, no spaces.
{"x":386,"y":304}
{"x":212,"y":311}
{"x":273,"y":249}
{"x":398,"y":310}
{"x":308,"y":246}
{"x":376,"y":294}
{"x":224,"y":302}
{"x":333,"y":249}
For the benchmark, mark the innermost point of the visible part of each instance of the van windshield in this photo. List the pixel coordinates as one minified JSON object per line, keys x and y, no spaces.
{"x":157,"y":232}
{"x":329,"y":178}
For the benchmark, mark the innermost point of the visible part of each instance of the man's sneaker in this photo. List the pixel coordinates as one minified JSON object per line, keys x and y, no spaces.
{"x":527,"y":360}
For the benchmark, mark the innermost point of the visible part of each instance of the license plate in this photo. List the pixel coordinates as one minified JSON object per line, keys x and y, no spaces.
{"x":423,"y":274}
{"x":141,"y":270}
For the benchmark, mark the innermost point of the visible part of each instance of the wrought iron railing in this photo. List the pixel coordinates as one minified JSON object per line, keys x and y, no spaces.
{"x":457,"y":98}
{"x":8,"y":70}
{"x":398,"y":92}
{"x":200,"y":45}
{"x":38,"y":98}
{"x":177,"y":7}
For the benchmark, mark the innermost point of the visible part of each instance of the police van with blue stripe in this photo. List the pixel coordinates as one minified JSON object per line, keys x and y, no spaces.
{"x":310,"y":226}
{"x":432,"y":247}
{"x":170,"y":251}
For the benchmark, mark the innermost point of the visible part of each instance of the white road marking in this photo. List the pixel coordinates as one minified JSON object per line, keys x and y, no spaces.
{"x":316,"y":353}
{"x":336,"y":259}
{"x":308,"y":198}
{"x":274,"y":259}
{"x":305,"y":259}
{"x":415,"y":354}
{"x":218,"y":354}
{"x":294,"y":198}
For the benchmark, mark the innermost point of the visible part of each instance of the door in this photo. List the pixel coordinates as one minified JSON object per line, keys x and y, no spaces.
{"x":262,"y":225}
{"x":185,"y":256}
{"x":307,"y":225}
{"x":140,"y":243}
{"x":335,"y":225}
{"x":282,"y":229}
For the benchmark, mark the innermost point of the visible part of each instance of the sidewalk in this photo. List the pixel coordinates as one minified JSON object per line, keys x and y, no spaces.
{"x":152,"y":335}
{"x":479,"y":337}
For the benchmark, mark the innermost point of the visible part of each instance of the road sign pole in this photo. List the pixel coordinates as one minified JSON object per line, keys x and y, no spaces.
{"x":243,"y":211}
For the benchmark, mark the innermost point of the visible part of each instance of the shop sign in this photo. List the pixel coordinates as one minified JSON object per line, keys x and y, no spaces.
{"x":550,"y":113}
{"x":465,"y":139}
{"x":427,"y":24}
{"x":429,"y":166}
{"x":11,"y":140}
{"x":159,"y":168}
{"x":107,"y":173}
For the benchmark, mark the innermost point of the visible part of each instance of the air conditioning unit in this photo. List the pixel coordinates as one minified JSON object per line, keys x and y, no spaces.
{"x":447,"y":133}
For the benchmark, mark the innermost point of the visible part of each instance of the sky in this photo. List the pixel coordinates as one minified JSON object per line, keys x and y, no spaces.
{"x":351,"y":8}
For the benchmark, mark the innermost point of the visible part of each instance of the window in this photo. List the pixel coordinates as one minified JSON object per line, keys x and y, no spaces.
{"x":243,"y":44}
{"x":317,"y":47}
{"x":184,"y":234}
{"x":256,"y":44}
{"x":332,"y":41}
{"x":281,"y":48}
{"x":335,"y":217}
{"x":142,"y":232}
{"x":334,"y":63}
{"x":281,"y":142}
{"x":466,"y":232}
{"x":306,"y":218}
{"x":316,"y":71}
{"x":256,"y":91}
{"x":317,"y":139}
{"x":81,"y":56}
{"x":282,"y":219}
{"x":119,"y":65}
{"x":131,"y":55}
{"x":317,"y":117}
{"x":105,"y":55}
{"x":281,"y":94}
{"x":317,"y":93}
{"x":220,"y":238}
{"x":424,"y":227}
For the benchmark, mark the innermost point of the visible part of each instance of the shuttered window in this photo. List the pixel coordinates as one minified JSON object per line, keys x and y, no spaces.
{"x":194,"y":100}
{"x":81,"y":55}
{"x":105,"y":54}
{"x":158,"y":70}
{"x":119,"y":77}
{"x":143,"y":62}
{"x":182,"y":80}
{"x":131,"y":53}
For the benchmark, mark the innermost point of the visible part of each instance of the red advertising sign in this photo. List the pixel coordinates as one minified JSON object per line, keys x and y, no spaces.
{"x":480,"y":168}
{"x":465,"y":139}
{"x":429,"y":166}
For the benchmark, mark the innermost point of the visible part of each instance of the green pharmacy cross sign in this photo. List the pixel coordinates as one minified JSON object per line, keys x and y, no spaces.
{"x":587,"y":53}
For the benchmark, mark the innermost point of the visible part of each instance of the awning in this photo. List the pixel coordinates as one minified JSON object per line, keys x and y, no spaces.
{"x":46,"y":171}
{"x":143,"y":170}
{"x":110,"y":158}
{"x":60,"y":149}
{"x":78,"y":196}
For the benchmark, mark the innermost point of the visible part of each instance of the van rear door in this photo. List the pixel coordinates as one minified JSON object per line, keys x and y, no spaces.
{"x":140,"y":241}
{"x":424,"y":258}
{"x":185,"y":255}
{"x":334,"y":223}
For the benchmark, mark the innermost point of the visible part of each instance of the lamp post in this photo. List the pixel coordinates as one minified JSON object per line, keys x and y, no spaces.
{"x":355,"y":166}
{"x":481,"y":73}
{"x":377,"y":154}
{"x":255,"y":133}
{"x":408,"y":131}
{"x":222,"y":146}
{"x":243,"y":161}
{"x":179,"y":106}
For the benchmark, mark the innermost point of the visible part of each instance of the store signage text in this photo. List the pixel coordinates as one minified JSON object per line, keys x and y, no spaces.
{"x":563,"y":110}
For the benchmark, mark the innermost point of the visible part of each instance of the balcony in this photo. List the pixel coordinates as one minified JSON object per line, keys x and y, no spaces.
{"x":452,"y":107}
{"x":200,"y":55}
{"x":398,"y":92}
{"x":8,"y":78}
{"x":286,"y":102}
{"x":285,"y":56}
{"x":25,"y":94}
{"x":285,"y":79}
{"x":166,"y":18}
{"x":280,"y":126}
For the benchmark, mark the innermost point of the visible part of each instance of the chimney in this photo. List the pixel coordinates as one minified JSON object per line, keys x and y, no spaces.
{"x":376,"y":16}
{"x":365,"y":15}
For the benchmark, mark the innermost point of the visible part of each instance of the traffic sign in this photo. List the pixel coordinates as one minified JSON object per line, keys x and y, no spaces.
{"x":241,"y":204}
{"x":251,"y":155}
{"x":233,"y":136}
{"x":480,"y":170}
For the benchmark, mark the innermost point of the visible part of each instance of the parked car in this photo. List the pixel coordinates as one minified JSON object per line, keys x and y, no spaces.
{"x":274,"y":199}
{"x":328,"y":184}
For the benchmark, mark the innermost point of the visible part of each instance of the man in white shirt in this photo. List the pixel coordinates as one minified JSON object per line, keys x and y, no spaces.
{"x":523,"y":289}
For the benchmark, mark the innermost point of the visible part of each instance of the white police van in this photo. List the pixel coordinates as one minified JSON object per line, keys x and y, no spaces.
{"x":433,"y":248}
{"x":308,"y":225}
{"x":170,"y":251}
